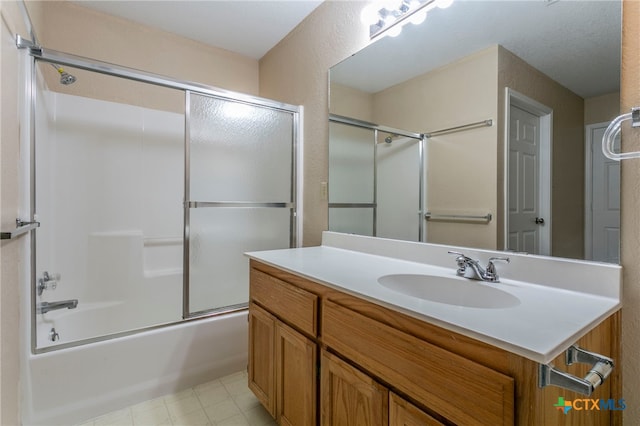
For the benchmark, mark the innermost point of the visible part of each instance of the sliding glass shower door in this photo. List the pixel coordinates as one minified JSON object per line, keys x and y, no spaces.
{"x":375,"y":180}
{"x":148,"y":192}
{"x":239,"y":192}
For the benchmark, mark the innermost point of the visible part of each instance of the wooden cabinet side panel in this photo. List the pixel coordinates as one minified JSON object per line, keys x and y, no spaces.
{"x":261,"y":357}
{"x":403,"y":413}
{"x":350,"y":397}
{"x":293,"y":305}
{"x":296,"y":358}
{"x":458,"y":389}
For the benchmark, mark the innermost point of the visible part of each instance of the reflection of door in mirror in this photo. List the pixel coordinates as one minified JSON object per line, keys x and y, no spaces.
{"x":528,"y":218}
{"x":602,"y":203}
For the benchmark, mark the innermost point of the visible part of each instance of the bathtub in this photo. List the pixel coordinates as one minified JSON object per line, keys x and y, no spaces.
{"x":69,"y":386}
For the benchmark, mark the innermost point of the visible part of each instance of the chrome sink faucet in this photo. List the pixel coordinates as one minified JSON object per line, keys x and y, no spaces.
{"x":470,"y":268}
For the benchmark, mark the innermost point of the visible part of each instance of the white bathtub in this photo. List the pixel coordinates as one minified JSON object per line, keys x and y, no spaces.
{"x":68,"y":386}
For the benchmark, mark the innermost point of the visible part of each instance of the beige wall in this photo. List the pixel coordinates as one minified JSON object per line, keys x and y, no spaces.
{"x":630,"y":219}
{"x":600,"y":109}
{"x":67,"y":27}
{"x":350,"y":102}
{"x":10,"y":260}
{"x":567,"y":199}
{"x":296,"y":72}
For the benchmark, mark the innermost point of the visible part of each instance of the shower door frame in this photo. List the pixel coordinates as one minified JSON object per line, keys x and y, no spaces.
{"x":375,"y":128}
{"x":38,"y":53}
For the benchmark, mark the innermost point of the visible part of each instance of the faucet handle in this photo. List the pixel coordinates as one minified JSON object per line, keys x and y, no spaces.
{"x":461,"y":259}
{"x":457,"y":253}
{"x":491,"y":272}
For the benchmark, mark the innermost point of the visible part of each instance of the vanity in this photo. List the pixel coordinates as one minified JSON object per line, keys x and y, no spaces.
{"x":343,"y":334}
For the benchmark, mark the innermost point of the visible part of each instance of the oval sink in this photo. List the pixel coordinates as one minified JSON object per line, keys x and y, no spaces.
{"x":451,"y":291}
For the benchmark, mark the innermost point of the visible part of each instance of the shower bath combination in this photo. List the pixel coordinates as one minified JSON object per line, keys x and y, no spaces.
{"x":133,"y":270}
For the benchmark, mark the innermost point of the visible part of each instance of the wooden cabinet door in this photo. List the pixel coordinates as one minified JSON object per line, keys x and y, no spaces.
{"x":296,"y":372}
{"x":403,"y":413}
{"x":262,"y":332}
{"x":350,"y":397}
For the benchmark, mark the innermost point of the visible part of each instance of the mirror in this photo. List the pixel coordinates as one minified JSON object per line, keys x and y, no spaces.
{"x":523,"y":91}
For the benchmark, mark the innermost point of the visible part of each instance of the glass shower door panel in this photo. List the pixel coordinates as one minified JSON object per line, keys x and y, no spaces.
{"x":239,"y":152}
{"x":351,"y":164}
{"x":240,"y":193}
{"x":355,"y":220}
{"x":398,"y":189}
{"x":218,"y":269}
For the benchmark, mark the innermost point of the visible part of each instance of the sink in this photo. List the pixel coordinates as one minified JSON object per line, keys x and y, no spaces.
{"x":450,"y":290}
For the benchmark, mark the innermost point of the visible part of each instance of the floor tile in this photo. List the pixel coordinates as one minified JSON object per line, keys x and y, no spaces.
{"x":223,"y":402}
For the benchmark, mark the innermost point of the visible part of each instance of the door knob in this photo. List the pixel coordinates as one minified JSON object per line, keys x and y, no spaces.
{"x":539,"y":221}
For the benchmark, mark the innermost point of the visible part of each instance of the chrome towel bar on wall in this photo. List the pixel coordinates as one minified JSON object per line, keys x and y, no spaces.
{"x":601,"y":368}
{"x":609,"y":137}
{"x":21,"y":228}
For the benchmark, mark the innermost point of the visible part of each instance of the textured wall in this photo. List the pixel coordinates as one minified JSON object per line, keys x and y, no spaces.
{"x":67,"y":27}
{"x":296,"y":72}
{"x":10,"y":260}
{"x":630,"y":220}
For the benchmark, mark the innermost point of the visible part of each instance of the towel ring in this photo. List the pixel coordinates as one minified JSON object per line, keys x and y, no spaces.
{"x":608,"y":139}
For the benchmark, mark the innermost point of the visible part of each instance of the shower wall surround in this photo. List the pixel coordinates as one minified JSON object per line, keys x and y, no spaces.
{"x":109,"y":188}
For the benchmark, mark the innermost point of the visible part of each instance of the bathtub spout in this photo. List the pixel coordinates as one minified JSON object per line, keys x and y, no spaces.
{"x":45,"y":307}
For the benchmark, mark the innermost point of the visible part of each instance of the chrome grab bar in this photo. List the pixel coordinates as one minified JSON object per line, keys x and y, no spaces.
{"x":22,"y":227}
{"x":609,"y":137}
{"x":458,"y":217}
{"x":601,"y":369}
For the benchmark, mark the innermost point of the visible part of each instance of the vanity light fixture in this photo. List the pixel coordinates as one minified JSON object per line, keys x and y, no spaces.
{"x":389,"y":16}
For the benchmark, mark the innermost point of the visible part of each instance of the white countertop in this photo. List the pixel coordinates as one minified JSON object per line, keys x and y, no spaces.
{"x":560,"y":299}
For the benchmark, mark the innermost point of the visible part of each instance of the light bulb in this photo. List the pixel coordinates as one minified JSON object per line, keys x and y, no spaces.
{"x":395,"y":31}
{"x":418,"y":17}
{"x":369,"y":14}
{"x":443,"y":4}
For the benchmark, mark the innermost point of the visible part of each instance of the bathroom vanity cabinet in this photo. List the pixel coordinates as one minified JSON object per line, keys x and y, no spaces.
{"x":318,"y":355}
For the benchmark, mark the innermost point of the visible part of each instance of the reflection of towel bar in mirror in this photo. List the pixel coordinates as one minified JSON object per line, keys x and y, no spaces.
{"x":483,"y":123}
{"x":458,"y":217}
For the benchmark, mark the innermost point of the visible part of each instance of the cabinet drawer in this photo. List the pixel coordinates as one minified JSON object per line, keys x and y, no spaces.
{"x":457,"y":388}
{"x":291,"y":304}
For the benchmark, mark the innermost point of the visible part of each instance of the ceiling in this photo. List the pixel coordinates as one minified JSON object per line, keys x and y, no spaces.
{"x":250,"y":28}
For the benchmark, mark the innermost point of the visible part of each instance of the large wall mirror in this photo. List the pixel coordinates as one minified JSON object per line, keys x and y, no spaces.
{"x":511,"y":99}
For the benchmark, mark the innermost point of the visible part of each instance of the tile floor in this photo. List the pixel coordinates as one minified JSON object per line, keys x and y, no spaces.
{"x":226,"y":401}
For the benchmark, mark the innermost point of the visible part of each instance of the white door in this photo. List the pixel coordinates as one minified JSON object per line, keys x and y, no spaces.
{"x":525,"y":219}
{"x":602,"y":235}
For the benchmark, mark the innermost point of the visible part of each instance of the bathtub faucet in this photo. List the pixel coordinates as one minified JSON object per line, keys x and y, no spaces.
{"x":45,"y":307}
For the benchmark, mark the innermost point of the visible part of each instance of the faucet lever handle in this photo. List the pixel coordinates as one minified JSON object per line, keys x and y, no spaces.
{"x":492,"y":273}
{"x":461,"y":259}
